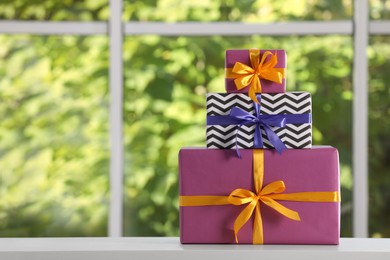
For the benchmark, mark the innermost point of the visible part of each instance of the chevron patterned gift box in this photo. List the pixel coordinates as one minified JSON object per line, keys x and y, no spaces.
{"x":281,"y":121}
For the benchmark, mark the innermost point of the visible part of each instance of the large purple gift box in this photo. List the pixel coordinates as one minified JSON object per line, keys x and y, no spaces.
{"x":243,"y":56}
{"x":207,"y":172}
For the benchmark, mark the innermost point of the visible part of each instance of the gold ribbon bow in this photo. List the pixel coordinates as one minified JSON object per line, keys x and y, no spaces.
{"x":243,"y":196}
{"x":245,"y":75}
{"x":267,"y":195}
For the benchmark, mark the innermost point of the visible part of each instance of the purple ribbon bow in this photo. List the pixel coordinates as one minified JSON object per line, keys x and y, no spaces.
{"x":240,"y":117}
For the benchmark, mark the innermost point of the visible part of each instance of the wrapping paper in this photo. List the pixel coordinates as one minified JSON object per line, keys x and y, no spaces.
{"x":219,"y":172}
{"x":294,"y":136}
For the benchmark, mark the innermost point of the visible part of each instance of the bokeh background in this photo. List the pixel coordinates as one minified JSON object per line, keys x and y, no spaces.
{"x":54,"y":102}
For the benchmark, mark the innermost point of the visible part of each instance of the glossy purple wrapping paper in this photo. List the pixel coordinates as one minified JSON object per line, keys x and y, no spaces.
{"x":232,"y":56}
{"x":218,"y":172}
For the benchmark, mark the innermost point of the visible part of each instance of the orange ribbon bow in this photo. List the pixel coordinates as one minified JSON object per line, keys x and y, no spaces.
{"x":245,"y":75}
{"x":267,"y":195}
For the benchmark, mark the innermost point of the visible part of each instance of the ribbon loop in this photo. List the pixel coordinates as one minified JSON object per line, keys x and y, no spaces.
{"x":242,"y":69}
{"x":241,"y":196}
{"x":241,"y":114}
{"x":273,"y":187}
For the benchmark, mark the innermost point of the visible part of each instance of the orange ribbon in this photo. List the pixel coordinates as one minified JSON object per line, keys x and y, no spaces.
{"x":267,"y":195}
{"x":245,"y":75}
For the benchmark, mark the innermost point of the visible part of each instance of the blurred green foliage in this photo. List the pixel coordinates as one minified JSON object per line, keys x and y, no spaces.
{"x":54,"y":157}
{"x":236,"y":10}
{"x":54,"y":10}
{"x":379,"y":9}
{"x":379,"y":141}
{"x":54,"y":153}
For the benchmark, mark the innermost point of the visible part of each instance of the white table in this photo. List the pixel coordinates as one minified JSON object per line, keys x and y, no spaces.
{"x":157,"y":248}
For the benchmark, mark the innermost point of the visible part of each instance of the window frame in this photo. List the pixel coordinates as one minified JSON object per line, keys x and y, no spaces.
{"x":359,"y":28}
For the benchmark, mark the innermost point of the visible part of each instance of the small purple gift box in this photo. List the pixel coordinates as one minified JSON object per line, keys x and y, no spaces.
{"x":255,"y":71}
{"x":263,"y":198}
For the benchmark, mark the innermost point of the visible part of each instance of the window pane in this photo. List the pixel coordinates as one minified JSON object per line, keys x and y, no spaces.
{"x":379,"y":142}
{"x":54,"y":149}
{"x":166,"y":79}
{"x":379,"y":9}
{"x":54,"y":10}
{"x":236,"y":10}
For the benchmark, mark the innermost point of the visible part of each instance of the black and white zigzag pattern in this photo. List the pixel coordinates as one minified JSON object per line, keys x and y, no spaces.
{"x":293,"y":136}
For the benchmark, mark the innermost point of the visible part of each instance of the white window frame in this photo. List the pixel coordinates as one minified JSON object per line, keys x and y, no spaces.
{"x":360,"y":29}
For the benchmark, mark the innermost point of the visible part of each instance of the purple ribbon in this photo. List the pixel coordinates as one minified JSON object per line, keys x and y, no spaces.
{"x":240,"y":117}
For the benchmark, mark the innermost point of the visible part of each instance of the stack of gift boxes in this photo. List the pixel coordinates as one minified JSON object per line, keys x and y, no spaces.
{"x":259,"y":181}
